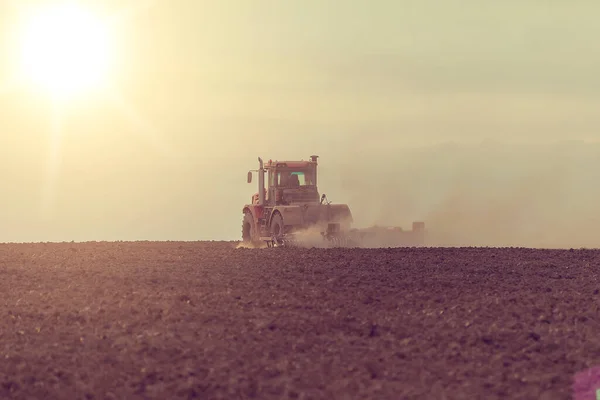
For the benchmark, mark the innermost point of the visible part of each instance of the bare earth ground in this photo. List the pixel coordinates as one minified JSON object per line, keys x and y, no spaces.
{"x":206,"y":320}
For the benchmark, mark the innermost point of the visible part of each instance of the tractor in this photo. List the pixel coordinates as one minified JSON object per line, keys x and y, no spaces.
{"x":289,"y":211}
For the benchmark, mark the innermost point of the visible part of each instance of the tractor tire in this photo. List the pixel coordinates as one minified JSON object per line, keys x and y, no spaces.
{"x":277,"y":226}
{"x":250,"y":235}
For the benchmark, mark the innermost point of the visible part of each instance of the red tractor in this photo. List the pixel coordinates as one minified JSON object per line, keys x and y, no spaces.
{"x":290,"y":211}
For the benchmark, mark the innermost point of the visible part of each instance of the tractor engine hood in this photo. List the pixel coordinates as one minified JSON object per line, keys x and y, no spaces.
{"x":301,"y":195}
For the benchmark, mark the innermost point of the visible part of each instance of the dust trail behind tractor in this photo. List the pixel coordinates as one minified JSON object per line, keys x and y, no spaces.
{"x":289,"y":211}
{"x":374,"y":237}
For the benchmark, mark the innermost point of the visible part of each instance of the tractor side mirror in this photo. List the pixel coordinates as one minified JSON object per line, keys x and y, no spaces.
{"x":249,"y":176}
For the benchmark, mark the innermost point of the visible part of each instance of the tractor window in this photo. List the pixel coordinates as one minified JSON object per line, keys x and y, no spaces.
{"x":293,"y":178}
{"x":272,"y":179}
{"x":301,"y":180}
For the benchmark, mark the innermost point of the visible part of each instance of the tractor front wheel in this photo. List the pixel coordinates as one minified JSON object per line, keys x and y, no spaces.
{"x":249,"y":233}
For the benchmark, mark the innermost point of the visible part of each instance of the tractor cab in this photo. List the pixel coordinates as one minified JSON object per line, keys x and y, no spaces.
{"x":289,"y":182}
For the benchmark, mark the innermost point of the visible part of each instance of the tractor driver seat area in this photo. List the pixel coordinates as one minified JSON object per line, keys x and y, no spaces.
{"x":293,"y":181}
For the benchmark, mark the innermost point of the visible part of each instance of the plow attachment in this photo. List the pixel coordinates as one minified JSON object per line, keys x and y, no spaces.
{"x":322,"y":240}
{"x":374,"y":237}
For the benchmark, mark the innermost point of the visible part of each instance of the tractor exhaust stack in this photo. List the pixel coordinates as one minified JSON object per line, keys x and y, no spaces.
{"x":261,"y":183}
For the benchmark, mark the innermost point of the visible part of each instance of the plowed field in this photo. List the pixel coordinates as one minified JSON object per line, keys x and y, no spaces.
{"x":206,"y":320}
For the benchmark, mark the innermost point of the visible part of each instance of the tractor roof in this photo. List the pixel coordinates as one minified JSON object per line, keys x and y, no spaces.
{"x":288,"y":164}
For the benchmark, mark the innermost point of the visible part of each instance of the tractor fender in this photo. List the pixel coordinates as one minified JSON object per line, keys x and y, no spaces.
{"x":255,"y":210}
{"x":292,"y":215}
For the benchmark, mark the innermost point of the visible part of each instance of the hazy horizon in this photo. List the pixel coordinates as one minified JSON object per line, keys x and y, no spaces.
{"x":201,"y":89}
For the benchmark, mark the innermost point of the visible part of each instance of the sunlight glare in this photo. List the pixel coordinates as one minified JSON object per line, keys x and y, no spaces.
{"x":65,"y":50}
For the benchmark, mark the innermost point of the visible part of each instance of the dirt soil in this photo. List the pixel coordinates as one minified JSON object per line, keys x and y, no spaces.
{"x":206,"y":320}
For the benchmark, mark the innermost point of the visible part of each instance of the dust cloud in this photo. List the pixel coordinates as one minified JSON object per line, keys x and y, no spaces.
{"x":490,"y":194}
{"x":244,"y":245}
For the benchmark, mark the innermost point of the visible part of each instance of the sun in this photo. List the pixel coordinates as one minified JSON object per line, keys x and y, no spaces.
{"x":65,"y":50}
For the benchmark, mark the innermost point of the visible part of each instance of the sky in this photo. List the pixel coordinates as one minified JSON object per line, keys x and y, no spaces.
{"x":200,"y":89}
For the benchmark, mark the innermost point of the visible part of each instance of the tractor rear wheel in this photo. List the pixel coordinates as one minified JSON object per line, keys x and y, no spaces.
{"x":249,"y":233}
